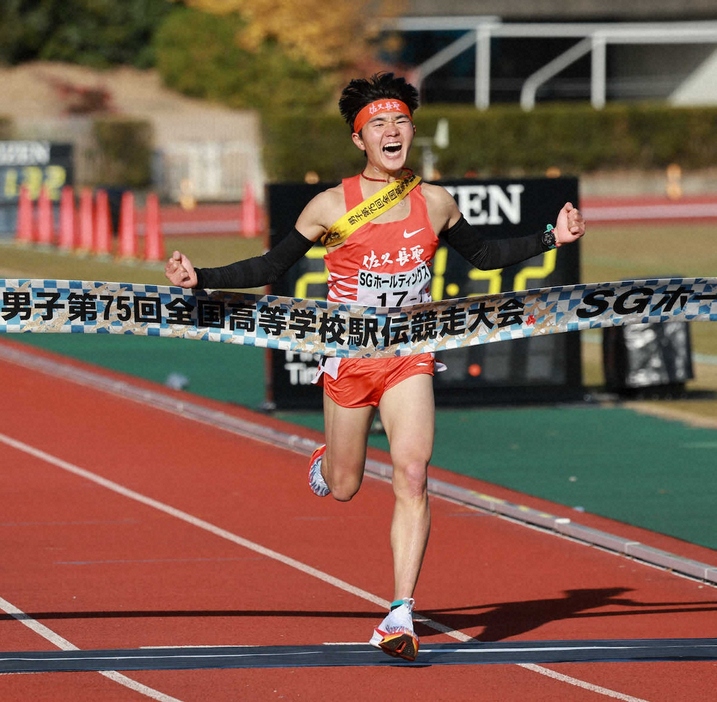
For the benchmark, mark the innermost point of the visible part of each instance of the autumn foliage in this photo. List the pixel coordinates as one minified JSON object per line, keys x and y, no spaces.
{"x":269,"y":55}
{"x":326,"y":35}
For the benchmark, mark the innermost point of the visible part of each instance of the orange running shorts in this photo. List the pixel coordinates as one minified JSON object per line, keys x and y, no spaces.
{"x":363,"y":381}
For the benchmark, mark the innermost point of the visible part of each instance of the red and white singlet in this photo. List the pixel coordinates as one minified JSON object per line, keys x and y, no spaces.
{"x":384,"y":265}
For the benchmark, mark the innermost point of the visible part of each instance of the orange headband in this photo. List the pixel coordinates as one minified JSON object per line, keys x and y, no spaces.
{"x":379,"y":106}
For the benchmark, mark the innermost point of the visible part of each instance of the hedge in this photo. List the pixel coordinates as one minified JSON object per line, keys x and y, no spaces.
{"x":6,"y":128}
{"x":119,"y":152}
{"x":574,"y":139}
{"x":506,"y":141}
{"x":123,"y":151}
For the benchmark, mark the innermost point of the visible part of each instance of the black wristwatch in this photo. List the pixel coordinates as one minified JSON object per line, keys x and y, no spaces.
{"x":548,"y":237}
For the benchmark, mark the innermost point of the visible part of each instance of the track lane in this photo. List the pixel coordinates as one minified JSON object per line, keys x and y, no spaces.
{"x":468,"y":568}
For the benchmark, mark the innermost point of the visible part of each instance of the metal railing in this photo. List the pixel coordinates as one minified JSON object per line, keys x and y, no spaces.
{"x":593,"y":39}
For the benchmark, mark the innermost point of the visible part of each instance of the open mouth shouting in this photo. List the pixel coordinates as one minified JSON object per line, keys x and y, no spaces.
{"x":392,"y":148}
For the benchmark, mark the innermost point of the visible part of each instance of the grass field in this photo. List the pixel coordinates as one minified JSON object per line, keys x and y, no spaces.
{"x":608,"y":253}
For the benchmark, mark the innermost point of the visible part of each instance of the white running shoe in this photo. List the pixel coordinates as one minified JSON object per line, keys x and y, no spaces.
{"x":316,"y":480}
{"x":395,"y":635}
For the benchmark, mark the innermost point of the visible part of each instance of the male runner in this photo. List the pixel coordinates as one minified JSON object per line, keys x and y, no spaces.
{"x":385,"y":262}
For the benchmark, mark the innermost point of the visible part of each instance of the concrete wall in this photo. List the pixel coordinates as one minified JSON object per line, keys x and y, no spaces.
{"x":701,"y":87}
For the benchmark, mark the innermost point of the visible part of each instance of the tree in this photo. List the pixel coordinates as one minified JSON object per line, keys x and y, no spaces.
{"x":97,"y":33}
{"x":267,"y":54}
{"x":197,"y":54}
{"x":327,"y":35}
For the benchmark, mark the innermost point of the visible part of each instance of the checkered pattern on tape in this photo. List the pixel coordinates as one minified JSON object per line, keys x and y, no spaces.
{"x":144,"y":309}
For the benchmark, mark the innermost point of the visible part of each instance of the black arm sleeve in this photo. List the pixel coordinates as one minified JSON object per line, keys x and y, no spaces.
{"x":488,"y":254}
{"x":260,"y":270}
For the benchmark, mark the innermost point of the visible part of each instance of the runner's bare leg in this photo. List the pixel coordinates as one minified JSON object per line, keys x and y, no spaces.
{"x":346,"y":431}
{"x":408,"y":416}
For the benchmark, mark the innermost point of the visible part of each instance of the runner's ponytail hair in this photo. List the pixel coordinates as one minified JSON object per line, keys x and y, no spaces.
{"x":380,"y":86}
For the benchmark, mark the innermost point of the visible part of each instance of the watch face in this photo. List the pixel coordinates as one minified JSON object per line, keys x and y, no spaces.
{"x":549,"y":239}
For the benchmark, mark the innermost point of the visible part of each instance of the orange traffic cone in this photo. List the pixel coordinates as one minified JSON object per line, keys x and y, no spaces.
{"x":102,"y":239}
{"x":127,"y":227}
{"x":66,"y":239}
{"x":23,"y":233}
{"x":87,"y":224}
{"x":250,"y":214}
{"x":45,"y":224}
{"x":153,"y":237}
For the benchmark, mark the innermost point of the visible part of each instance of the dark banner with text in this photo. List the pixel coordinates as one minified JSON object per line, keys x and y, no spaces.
{"x":528,"y":369}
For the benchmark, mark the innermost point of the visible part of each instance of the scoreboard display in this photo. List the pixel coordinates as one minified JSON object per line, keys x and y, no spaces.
{"x":34,"y":165}
{"x":541,"y":368}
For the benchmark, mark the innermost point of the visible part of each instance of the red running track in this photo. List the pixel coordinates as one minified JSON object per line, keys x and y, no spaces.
{"x":125,"y":525}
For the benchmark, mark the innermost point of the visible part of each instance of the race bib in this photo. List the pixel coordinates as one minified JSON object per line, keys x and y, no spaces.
{"x":394,"y":289}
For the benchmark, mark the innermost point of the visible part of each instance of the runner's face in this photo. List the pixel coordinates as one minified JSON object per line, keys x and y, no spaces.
{"x":386,"y":138}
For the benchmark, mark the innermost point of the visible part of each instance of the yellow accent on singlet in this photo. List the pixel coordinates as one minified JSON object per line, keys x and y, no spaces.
{"x":369,"y":209}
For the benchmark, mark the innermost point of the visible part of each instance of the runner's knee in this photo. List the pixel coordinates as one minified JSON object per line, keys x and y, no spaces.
{"x":344,"y":488}
{"x":344,"y":482}
{"x":410,"y":479}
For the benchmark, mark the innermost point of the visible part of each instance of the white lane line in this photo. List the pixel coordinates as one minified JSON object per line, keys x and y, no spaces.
{"x":580,"y":683}
{"x":64,"y":645}
{"x":281,"y":558}
{"x":485,"y":504}
{"x":194,"y":521}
